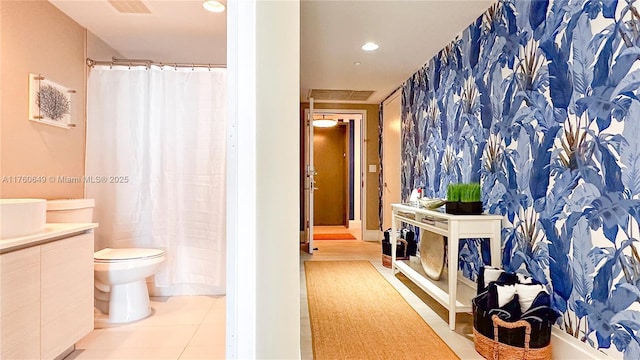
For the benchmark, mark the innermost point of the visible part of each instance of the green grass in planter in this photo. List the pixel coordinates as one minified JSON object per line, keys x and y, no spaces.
{"x":453,"y":192}
{"x":470,"y":193}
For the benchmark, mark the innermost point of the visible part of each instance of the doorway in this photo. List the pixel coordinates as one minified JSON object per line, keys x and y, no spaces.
{"x":354,"y":124}
{"x":331,"y":159}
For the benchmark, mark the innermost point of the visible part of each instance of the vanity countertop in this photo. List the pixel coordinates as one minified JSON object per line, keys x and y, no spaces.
{"x":51,"y":232}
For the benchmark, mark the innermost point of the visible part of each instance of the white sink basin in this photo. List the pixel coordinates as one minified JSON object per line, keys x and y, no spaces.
{"x":22,"y":217}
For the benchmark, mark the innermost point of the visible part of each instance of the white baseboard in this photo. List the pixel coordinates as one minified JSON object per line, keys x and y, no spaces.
{"x":355,"y":224}
{"x":372,"y":235}
{"x":565,"y":346}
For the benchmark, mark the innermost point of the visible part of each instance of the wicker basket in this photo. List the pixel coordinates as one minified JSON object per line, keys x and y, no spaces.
{"x":493,"y":349}
{"x":386,"y":260}
{"x":401,"y":251}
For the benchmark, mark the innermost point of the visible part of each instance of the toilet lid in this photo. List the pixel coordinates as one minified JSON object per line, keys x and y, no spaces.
{"x":113,"y":255}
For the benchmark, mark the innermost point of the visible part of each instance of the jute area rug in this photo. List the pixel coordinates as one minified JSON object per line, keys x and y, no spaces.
{"x":356,"y":314}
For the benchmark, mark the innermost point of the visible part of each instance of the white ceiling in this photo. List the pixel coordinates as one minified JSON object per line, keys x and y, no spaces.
{"x":409,"y":33}
{"x":176,"y":31}
{"x":331,"y":33}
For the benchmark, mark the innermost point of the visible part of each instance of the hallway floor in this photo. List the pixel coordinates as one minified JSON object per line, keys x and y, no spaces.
{"x":432,"y":312}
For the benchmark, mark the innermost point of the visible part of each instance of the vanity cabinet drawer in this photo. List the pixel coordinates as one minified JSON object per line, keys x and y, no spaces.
{"x":20,"y":304}
{"x":67,"y":293}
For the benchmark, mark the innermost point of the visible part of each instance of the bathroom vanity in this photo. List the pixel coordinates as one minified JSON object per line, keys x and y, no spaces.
{"x":46,"y":284}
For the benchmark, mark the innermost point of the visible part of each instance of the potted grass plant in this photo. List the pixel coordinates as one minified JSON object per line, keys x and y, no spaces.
{"x":464,"y":199}
{"x":470,"y":199}
{"x":453,"y":198}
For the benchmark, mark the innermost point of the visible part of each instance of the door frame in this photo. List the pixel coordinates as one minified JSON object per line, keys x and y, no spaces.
{"x":362,"y":125}
{"x":309,"y":179}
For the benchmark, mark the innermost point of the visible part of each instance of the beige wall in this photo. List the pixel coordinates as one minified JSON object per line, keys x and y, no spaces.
{"x":38,"y":38}
{"x":371,"y":156}
{"x":98,"y":49}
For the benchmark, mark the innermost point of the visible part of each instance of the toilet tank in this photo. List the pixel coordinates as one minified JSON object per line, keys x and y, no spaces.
{"x":70,"y":211}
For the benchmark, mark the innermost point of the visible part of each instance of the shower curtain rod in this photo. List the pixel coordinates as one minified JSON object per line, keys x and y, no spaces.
{"x":143,"y":62}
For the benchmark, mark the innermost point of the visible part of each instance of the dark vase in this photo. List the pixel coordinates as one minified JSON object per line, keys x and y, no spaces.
{"x":470,"y":208}
{"x":463,"y":208}
{"x":451,"y":207}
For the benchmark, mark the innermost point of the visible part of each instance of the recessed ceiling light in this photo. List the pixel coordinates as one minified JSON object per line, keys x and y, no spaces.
{"x":370,"y":46}
{"x":357,"y":63}
{"x":213,"y":6}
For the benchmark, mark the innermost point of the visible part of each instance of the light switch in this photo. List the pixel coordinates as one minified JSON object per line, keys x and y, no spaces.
{"x":372,"y":168}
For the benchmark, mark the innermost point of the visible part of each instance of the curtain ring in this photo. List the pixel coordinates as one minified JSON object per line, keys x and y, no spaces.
{"x":209,"y":67}
{"x":193,"y":67}
{"x":129,"y":66}
{"x":175,"y":66}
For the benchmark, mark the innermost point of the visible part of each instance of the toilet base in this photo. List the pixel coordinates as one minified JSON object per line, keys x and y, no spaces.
{"x":101,"y":320}
{"x":127,"y":303}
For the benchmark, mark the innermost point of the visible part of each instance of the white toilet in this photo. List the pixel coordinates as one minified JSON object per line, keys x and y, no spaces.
{"x":120,"y":282}
{"x":120,"y":292}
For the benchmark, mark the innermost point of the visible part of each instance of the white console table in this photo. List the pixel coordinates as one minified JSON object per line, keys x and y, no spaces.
{"x":455,"y":227}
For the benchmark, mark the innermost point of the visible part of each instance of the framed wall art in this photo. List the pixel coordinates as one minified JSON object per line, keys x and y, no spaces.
{"x":49,"y":102}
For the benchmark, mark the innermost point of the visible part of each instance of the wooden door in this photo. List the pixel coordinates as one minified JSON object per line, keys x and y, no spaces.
{"x":330,"y":164}
{"x":390,"y":156}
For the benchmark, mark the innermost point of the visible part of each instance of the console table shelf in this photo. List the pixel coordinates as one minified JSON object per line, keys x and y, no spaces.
{"x":452,"y":292}
{"x":437,"y":289}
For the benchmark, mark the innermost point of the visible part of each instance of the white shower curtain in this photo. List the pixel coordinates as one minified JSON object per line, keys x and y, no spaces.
{"x":156,"y":168}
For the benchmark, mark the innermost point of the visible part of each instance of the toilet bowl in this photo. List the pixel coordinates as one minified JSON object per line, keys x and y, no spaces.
{"x":121,"y":292}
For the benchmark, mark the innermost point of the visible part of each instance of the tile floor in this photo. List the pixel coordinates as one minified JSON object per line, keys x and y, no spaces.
{"x":193,"y":327}
{"x":182,"y":327}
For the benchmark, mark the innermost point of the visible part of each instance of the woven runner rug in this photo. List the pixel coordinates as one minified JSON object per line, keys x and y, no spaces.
{"x":356,"y":314}
{"x":333,"y":236}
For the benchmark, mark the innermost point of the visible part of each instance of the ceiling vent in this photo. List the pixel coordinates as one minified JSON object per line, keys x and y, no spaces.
{"x":130,"y":6}
{"x":340,"y":95}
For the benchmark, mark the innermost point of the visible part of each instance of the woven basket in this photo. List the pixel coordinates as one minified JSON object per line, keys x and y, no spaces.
{"x":493,"y":349}
{"x":386,"y":260}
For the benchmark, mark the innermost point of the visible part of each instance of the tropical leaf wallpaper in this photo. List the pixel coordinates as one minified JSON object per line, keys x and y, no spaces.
{"x":538,"y":100}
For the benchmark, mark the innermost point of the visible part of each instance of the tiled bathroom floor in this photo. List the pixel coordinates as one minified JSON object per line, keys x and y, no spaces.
{"x":182,"y":327}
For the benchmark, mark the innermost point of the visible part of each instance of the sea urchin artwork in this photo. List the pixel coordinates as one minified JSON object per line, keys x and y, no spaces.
{"x":49,"y":102}
{"x":52,"y":102}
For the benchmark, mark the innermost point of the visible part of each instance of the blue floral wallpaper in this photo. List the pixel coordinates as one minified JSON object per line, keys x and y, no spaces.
{"x":538,"y":100}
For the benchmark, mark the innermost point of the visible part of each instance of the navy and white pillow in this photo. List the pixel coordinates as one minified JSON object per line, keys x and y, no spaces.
{"x":527,"y":294}
{"x":512,"y":295}
{"x":541,"y":310}
{"x":502,"y":300}
{"x":489,"y":274}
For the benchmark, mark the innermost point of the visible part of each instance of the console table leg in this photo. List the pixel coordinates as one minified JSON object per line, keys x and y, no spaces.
{"x":453,"y":272}
{"x":393,"y":240}
{"x":495,"y":245}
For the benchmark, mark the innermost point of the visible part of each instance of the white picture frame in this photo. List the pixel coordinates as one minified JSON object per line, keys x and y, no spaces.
{"x":49,"y":102}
